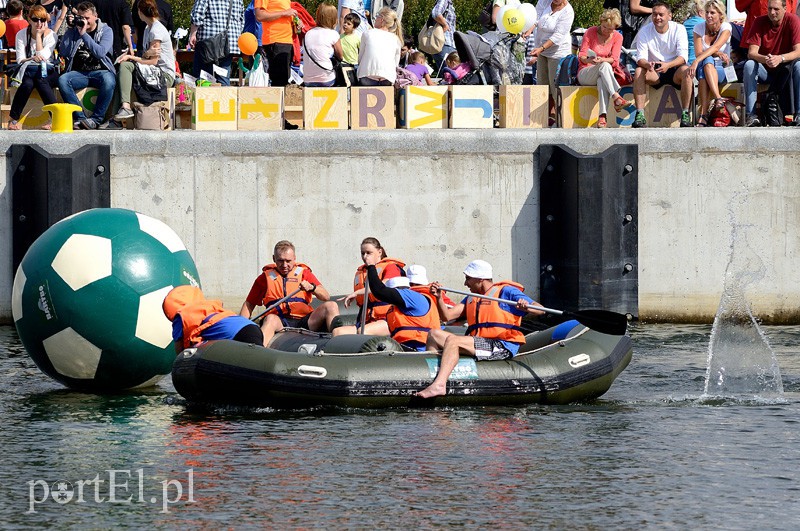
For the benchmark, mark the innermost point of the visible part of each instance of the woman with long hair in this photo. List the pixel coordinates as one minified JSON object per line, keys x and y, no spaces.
{"x":379,"y":53}
{"x":712,"y":46}
{"x":34,"y":48}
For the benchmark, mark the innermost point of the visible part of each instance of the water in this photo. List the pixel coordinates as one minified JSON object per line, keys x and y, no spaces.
{"x":652,"y":453}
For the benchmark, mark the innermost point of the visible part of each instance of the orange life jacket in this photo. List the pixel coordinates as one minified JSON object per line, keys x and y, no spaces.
{"x":197,"y":313}
{"x":278,"y":286}
{"x":407,"y":328}
{"x":486,"y":319}
{"x":377,"y":309}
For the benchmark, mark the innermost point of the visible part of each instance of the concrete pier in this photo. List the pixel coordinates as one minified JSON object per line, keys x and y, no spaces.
{"x":442,"y":198}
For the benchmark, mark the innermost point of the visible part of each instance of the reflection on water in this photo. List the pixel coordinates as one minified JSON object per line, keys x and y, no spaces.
{"x":740,"y":360}
{"x":649,"y":454}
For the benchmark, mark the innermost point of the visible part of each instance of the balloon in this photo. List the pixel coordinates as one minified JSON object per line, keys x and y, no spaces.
{"x":248,"y":43}
{"x":512,"y":3}
{"x":499,"y":20}
{"x":529,"y":13}
{"x":513,"y":21}
{"x":2,"y":28}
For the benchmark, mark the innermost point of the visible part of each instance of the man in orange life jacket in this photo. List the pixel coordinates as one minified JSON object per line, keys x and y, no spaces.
{"x":493,"y":327}
{"x":280,"y":280}
{"x":413,"y":311}
{"x":196,"y":319}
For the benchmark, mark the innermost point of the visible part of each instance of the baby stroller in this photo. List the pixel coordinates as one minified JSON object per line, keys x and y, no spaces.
{"x":491,"y":56}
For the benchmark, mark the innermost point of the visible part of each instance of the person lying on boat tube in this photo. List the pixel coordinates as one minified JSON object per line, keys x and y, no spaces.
{"x":285,"y":289}
{"x":412,"y":313}
{"x":372,"y":250}
{"x":196,"y":319}
{"x":493,"y":328}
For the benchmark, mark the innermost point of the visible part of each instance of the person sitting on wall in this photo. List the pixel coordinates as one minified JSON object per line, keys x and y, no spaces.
{"x":663,"y":49}
{"x":196,"y":319}
{"x":493,"y":330}
{"x":86,"y":49}
{"x":712,"y":43}
{"x":279,"y":282}
{"x":773,"y":49}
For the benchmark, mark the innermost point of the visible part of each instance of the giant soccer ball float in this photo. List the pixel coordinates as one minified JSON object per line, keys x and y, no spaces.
{"x":87,"y":299}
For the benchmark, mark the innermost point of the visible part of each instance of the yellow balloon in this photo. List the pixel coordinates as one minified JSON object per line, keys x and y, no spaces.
{"x":513,"y":21}
{"x":2,"y":28}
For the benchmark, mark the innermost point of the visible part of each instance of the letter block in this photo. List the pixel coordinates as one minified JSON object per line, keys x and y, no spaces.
{"x":578,"y":107}
{"x":372,"y":108}
{"x":32,"y":117}
{"x":663,"y":107}
{"x":471,"y":106}
{"x":214,"y":109}
{"x":523,"y":106}
{"x":325,"y":107}
{"x":423,"y":107}
{"x":260,"y":108}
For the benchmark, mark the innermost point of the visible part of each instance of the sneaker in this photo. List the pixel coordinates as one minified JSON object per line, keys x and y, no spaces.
{"x":123,"y":114}
{"x":796,"y":120}
{"x":639,"y":120}
{"x":752,"y":121}
{"x":686,"y":120}
{"x":88,"y":123}
{"x":111,"y":125}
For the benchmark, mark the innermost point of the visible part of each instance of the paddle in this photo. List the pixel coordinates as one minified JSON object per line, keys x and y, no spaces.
{"x":603,"y":321}
{"x":276,"y":304}
{"x":364,"y":306}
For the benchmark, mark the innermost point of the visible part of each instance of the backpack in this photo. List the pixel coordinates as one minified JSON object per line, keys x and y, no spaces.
{"x":149,"y":83}
{"x":251,"y":25}
{"x":773,"y":114}
{"x":567,"y":71}
{"x":405,"y":78}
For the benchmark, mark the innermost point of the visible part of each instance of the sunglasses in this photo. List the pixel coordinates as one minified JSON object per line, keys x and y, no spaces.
{"x":34,"y":19}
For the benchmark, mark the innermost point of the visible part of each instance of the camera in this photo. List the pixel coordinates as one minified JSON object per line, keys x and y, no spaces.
{"x":75,"y":21}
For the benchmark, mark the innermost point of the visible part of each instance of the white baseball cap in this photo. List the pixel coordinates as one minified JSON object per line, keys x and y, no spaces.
{"x":396,"y":282}
{"x":417,"y":274}
{"x":479,"y":269}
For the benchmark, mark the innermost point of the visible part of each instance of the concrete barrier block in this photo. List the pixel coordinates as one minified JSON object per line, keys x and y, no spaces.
{"x":523,"y":106}
{"x":260,"y":109}
{"x":325,"y":107}
{"x":423,"y":107}
{"x":214,"y":109}
{"x":471,"y":106}
{"x":372,"y":108}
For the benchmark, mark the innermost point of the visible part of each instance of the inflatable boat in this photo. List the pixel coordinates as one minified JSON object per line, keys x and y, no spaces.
{"x":563,"y":364}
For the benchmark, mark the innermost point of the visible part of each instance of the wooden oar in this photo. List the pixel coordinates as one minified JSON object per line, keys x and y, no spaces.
{"x":603,"y":321}
{"x":276,"y":304}
{"x":364,"y":306}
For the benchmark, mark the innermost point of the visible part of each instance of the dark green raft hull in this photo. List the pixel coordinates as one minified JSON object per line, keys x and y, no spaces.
{"x":558,"y":366}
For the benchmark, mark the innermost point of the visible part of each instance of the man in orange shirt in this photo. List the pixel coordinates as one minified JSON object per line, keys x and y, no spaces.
{"x":276,"y":17}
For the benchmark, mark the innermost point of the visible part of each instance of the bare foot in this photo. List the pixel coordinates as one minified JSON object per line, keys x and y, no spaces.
{"x":433,"y":390}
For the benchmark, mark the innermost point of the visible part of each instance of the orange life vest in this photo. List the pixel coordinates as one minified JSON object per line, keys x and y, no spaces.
{"x":407,"y":328}
{"x":278,"y":286}
{"x":486,"y":319}
{"x":377,"y":309}
{"x":197,"y":313}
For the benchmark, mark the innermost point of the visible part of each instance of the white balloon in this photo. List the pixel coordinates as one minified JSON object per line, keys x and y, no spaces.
{"x":529,"y":12}
{"x":500,"y":13}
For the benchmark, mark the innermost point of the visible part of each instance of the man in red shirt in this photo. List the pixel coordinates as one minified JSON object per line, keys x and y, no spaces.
{"x":773,"y":50}
{"x":754,"y":9}
{"x":280,"y":280}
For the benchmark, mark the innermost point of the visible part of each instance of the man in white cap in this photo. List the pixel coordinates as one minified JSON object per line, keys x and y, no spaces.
{"x":493,"y":328}
{"x":413,"y":311}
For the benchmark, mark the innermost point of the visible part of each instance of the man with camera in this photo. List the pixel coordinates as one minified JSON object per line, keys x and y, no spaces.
{"x":86,"y":48}
{"x":663,"y":51}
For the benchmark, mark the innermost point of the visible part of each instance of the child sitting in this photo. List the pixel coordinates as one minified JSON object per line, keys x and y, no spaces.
{"x":455,"y":69}
{"x":350,"y":40}
{"x":418,"y":65}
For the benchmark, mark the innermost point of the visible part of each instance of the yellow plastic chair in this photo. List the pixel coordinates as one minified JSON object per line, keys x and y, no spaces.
{"x":61,"y":116}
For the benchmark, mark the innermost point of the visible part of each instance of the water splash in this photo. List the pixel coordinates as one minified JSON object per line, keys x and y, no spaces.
{"x":740,"y":359}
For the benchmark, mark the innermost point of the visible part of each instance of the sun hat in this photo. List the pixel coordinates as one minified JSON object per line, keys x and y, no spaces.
{"x":479,"y":269}
{"x":396,"y":282}
{"x":417,"y":274}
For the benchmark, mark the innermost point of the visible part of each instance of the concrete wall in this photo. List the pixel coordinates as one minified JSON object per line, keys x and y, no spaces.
{"x":442,"y":198}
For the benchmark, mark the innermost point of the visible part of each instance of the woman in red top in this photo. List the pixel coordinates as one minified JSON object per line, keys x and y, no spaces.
{"x":598,"y":58}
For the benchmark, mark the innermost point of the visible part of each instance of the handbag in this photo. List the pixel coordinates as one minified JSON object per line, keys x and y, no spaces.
{"x":154,"y":117}
{"x":257,"y":76}
{"x":431,"y":37}
{"x":149,"y":83}
{"x":622,"y":75}
{"x":214,"y":48}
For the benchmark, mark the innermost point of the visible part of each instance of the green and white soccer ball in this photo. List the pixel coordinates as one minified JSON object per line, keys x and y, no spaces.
{"x":87,"y":299}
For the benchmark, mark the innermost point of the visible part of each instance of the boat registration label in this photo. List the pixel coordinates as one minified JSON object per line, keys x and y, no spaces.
{"x":465,"y":370}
